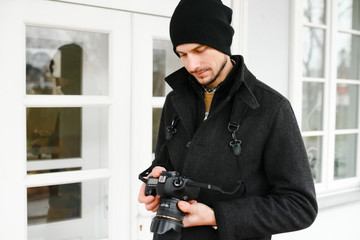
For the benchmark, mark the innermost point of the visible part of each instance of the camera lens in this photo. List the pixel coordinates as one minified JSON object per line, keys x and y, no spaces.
{"x":168,"y":220}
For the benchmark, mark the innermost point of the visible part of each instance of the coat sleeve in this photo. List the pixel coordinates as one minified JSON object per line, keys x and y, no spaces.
{"x":291,"y":203}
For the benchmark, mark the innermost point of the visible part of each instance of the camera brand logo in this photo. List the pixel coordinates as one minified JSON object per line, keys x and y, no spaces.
{"x":165,"y":205}
{"x":162,"y":178}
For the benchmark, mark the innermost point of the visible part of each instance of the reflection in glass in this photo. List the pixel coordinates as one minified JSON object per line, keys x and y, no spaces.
{"x":345,"y":156}
{"x":164,"y":63}
{"x":312,"y":106}
{"x":349,"y":14}
{"x":348,"y":56}
{"x":314,"y":52}
{"x":54,"y":203}
{"x":57,"y":134}
{"x":155,"y":128}
{"x":66,"y":62}
{"x":75,"y":211}
{"x":314,"y":11}
{"x":347,"y":104}
{"x":53,"y":133}
{"x":313,"y":147}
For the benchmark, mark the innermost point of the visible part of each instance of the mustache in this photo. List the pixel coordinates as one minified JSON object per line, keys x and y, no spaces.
{"x":199,"y":70}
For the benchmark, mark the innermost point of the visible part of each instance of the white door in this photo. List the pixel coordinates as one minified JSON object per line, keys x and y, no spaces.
{"x":153,"y":59}
{"x":67,"y":104}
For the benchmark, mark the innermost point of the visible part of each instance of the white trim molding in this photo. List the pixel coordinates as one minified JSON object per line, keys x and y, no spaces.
{"x":240,"y":25}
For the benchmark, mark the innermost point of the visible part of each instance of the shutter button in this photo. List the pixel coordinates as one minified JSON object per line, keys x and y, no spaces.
{"x":188,"y":144}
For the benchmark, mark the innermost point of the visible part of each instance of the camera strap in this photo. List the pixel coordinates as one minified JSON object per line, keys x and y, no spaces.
{"x":144,"y":174}
{"x":171,"y":129}
{"x":215,"y":188}
{"x":238,"y":112}
{"x":169,"y":134}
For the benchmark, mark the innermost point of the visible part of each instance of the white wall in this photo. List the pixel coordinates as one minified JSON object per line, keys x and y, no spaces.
{"x":335,"y":223}
{"x":267,"y":52}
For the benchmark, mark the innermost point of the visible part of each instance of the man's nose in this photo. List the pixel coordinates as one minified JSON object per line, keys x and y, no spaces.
{"x":193,"y":63}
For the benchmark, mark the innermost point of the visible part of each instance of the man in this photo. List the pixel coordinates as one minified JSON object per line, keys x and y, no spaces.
{"x":232,"y":131}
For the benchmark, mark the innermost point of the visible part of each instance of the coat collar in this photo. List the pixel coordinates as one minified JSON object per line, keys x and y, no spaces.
{"x":183,"y":83}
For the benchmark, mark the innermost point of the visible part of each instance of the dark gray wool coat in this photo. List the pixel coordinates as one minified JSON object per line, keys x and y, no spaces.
{"x":280,"y":195}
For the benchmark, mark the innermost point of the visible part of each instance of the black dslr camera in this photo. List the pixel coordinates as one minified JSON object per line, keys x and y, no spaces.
{"x":167,"y":224}
{"x":171,"y":187}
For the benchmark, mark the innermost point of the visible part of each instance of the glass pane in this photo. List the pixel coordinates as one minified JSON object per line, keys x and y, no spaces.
{"x":313,"y":147}
{"x":345,"y":156}
{"x":312,"y":106}
{"x":155,"y":128}
{"x":348,"y":56}
{"x":68,"y":137}
{"x":314,"y":52}
{"x":164,"y":63}
{"x":347,"y":104}
{"x":314,"y":11}
{"x":54,"y":203}
{"x":349,"y":14}
{"x":75,"y":211}
{"x":66,"y":62}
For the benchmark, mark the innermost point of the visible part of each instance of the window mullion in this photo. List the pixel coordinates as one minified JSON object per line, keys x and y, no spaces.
{"x":66,"y":101}
{"x":350,"y":31}
{"x":313,"y":25}
{"x":47,"y":179}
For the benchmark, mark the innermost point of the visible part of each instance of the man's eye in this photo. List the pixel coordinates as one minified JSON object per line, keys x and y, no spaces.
{"x":199,"y":50}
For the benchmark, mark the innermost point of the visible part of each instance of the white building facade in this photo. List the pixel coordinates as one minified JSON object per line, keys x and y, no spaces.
{"x":82,"y":90}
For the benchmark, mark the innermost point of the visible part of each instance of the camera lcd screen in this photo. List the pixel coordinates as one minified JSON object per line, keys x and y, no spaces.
{"x":152,"y":181}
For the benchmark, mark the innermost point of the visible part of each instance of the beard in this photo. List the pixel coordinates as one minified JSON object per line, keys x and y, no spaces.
{"x":216,"y":75}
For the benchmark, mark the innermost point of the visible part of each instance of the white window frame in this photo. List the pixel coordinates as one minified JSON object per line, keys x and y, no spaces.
{"x":14,"y":101}
{"x":330,"y":192}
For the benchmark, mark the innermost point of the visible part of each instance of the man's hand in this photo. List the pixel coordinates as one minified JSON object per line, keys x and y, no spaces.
{"x":151,"y":202}
{"x":197,"y":214}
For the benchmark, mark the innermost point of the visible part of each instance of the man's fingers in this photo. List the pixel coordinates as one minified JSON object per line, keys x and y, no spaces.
{"x":153,"y":205}
{"x":156,"y":172}
{"x":142,"y":198}
{"x":184,"y":206}
{"x":151,"y":202}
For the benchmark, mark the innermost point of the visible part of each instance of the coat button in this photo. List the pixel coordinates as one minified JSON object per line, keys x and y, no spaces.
{"x":188,"y":144}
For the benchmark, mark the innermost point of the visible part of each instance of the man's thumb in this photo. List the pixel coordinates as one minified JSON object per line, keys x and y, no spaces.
{"x":184,"y":206}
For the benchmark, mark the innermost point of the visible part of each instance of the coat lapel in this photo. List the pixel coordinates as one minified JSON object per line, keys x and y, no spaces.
{"x":184,"y":99}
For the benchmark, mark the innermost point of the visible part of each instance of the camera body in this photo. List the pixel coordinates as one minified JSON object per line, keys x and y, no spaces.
{"x":171,"y":187}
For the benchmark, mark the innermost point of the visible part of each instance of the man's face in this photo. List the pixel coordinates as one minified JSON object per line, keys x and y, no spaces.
{"x":206,"y":64}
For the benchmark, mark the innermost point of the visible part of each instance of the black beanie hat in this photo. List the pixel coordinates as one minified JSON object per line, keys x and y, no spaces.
{"x":205,"y":22}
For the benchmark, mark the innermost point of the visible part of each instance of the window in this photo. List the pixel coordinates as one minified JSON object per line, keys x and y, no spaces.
{"x":328,"y":105}
{"x":59,"y":63}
